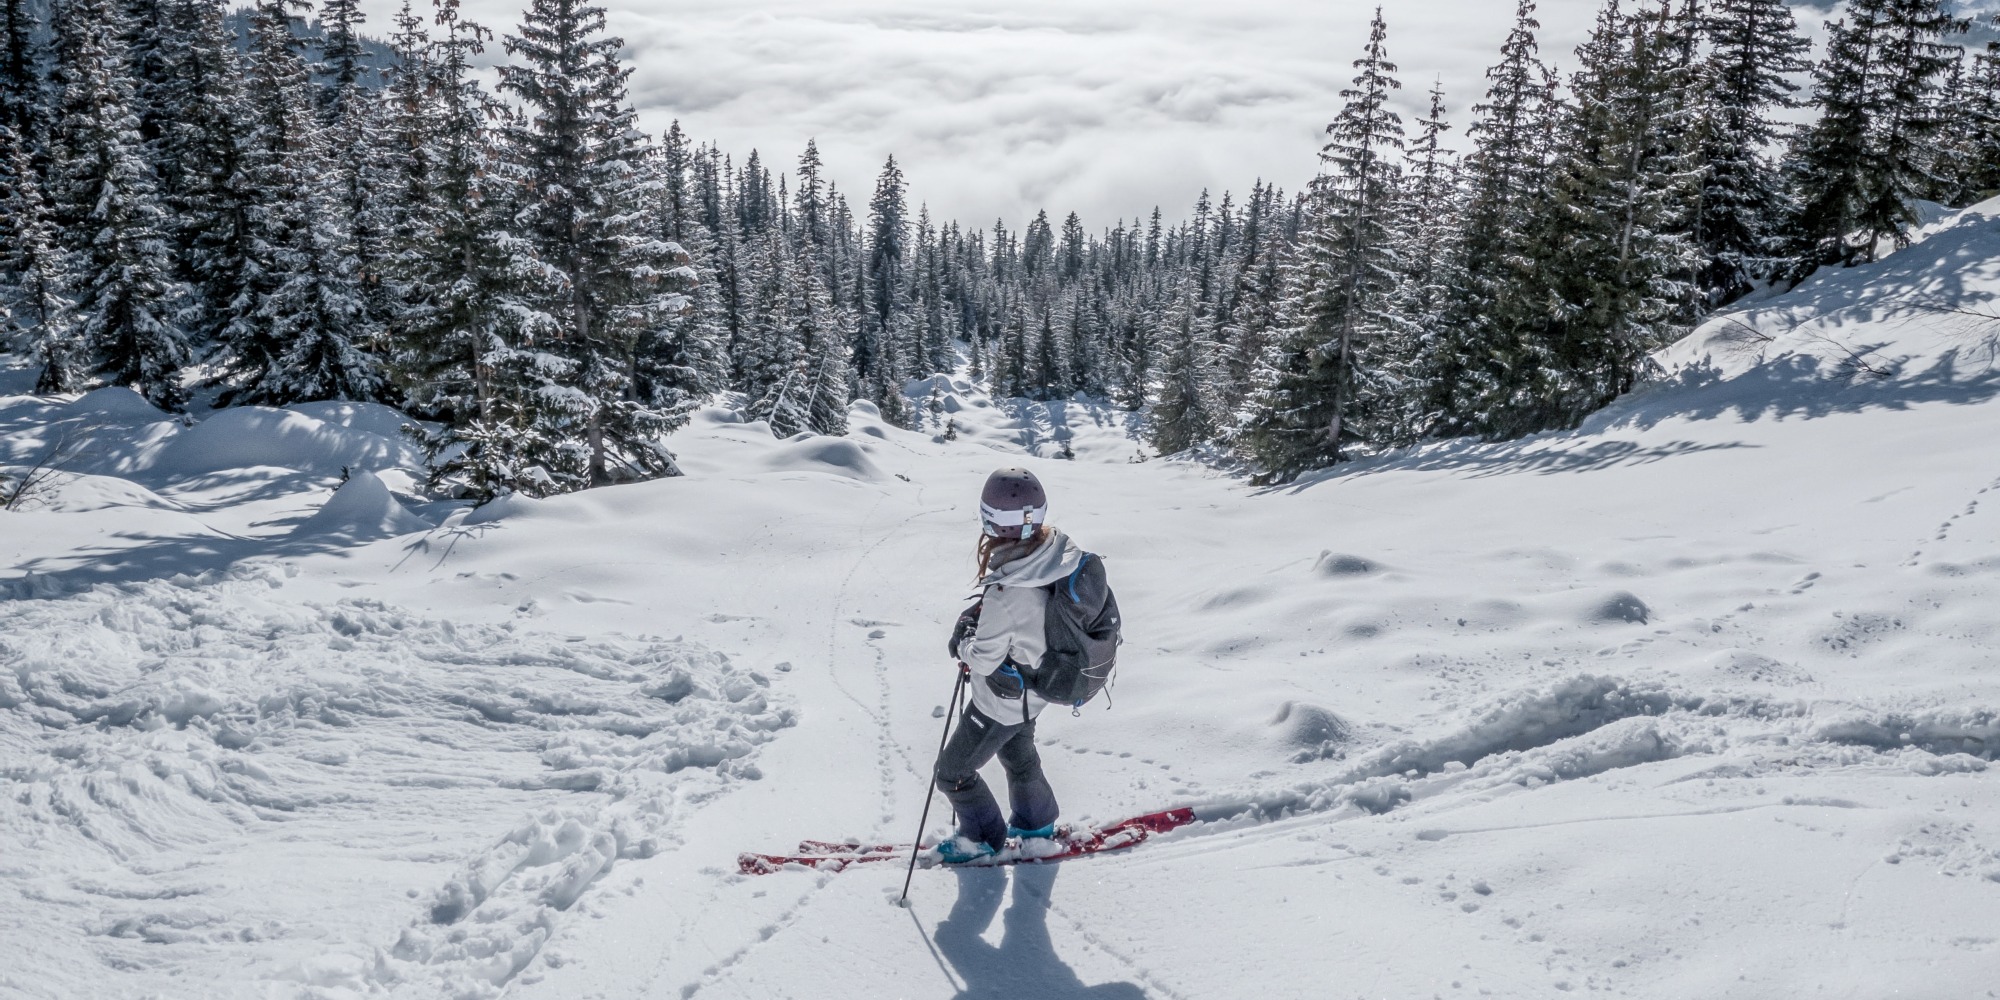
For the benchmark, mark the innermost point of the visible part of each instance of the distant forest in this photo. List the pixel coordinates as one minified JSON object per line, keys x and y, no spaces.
{"x":274,"y":211}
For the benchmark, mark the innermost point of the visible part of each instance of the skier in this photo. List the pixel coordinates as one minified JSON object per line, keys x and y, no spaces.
{"x":1019,"y":555}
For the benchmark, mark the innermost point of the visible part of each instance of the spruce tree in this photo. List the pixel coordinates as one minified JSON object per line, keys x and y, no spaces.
{"x":609,"y":284}
{"x":1915,"y":60}
{"x":120,"y":268}
{"x":466,"y":330}
{"x":1611,"y":259}
{"x":34,"y":306}
{"x":1506,"y":180}
{"x":1331,"y":380}
{"x":23,"y":59}
{"x":291,"y":330}
{"x":1429,"y":267}
{"x":686,"y":362}
{"x":208,"y":197}
{"x":1755,"y":50}
{"x":1857,"y":170}
{"x":1184,"y":412}
{"x":1978,"y":149}
{"x":351,"y":115}
{"x":877,"y":355}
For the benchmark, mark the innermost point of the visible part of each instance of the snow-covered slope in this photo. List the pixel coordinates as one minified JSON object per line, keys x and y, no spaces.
{"x":1700,"y":700}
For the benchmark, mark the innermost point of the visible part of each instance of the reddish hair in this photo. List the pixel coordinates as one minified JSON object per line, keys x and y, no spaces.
{"x":988,"y":544}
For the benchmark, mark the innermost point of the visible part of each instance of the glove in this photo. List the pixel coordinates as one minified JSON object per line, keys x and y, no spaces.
{"x":1007,"y":681}
{"x":967,"y":627}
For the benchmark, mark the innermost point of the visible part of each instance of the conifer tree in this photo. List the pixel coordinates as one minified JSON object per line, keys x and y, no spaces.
{"x":351,"y":116}
{"x":689,"y":359}
{"x":1505,"y":179}
{"x":292,"y":327}
{"x":1976,"y":152}
{"x":1915,"y":60}
{"x":206,"y":193}
{"x":1755,"y":50}
{"x":465,"y":334}
{"x":1331,"y":379}
{"x":810,"y":209}
{"x":34,"y":307}
{"x":120,"y":269}
{"x":1429,"y":267}
{"x":1858,"y":169}
{"x":876,"y":353}
{"x":1611,"y":259}
{"x":23,"y":102}
{"x":608,"y":283}
{"x":1184,"y":413}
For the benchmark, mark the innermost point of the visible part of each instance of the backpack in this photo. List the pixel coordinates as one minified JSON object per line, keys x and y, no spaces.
{"x":1081,"y":628}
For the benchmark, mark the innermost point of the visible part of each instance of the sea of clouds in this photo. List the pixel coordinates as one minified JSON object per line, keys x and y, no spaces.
{"x":996,"y":110}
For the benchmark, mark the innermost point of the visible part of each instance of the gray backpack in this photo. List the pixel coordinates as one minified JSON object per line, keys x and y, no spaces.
{"x":1082,"y":631}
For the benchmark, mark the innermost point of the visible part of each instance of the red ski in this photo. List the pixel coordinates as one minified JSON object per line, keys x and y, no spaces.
{"x":832,"y":857}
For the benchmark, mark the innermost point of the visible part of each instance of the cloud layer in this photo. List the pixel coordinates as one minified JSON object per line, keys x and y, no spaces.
{"x":1105,"y":107}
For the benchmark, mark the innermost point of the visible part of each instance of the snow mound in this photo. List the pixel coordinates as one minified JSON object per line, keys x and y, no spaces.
{"x":1621,"y":608}
{"x":1338,"y":564}
{"x":374,"y":418}
{"x":117,"y":403}
{"x":250,"y":437}
{"x":362,"y":509}
{"x":826,"y":455}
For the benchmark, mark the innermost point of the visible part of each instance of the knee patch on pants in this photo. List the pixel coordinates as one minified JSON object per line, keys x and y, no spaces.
{"x":949,"y":783}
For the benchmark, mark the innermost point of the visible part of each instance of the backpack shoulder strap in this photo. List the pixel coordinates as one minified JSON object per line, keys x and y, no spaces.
{"x":1074,"y":598}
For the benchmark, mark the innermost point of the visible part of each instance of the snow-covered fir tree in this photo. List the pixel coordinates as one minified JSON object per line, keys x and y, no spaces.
{"x":119,"y":269}
{"x":1488,"y":368}
{"x":462,"y":276}
{"x":881,"y":359}
{"x":199,"y":159}
{"x":1334,"y":375}
{"x":292,"y":326}
{"x":1184,"y":411}
{"x":1973,"y":153}
{"x":1859,"y":169}
{"x":351,"y":115}
{"x":23,"y":68}
{"x":1754,"y":52}
{"x":608,"y":283}
{"x":34,"y":307}
{"x":1610,"y":257}
{"x":1429,"y":268}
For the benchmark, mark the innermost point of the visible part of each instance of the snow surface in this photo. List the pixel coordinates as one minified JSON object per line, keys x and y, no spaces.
{"x":1698,"y":700}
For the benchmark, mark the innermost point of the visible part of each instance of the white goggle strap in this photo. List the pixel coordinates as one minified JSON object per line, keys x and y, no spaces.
{"x":996,"y":522}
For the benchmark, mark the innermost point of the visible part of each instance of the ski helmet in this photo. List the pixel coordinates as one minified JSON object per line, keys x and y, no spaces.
{"x":1013,"y":504}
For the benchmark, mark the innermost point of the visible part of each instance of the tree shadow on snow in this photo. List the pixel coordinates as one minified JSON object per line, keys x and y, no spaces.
{"x":1024,"y":963}
{"x":1788,"y":387}
{"x":137,"y":558}
{"x":1796,"y":386}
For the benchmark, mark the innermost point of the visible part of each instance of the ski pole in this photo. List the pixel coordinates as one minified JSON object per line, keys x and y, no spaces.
{"x":957,"y":692}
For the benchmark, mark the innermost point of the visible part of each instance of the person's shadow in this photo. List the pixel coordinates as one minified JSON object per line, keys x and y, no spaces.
{"x":1025,"y":963}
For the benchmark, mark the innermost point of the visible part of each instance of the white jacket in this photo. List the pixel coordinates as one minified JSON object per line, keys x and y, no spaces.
{"x":1011,"y":622}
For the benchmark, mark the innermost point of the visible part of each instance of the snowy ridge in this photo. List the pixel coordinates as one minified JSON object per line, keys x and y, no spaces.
{"x":153,"y":723}
{"x":1589,"y":725}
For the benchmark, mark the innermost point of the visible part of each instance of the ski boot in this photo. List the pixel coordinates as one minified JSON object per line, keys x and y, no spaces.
{"x":960,"y":851}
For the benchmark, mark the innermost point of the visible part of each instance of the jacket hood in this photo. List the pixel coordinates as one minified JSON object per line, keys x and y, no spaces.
{"x":1056,"y":558}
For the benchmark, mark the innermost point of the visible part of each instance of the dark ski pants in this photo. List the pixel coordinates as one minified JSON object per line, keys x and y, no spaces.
{"x":975,"y":742}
